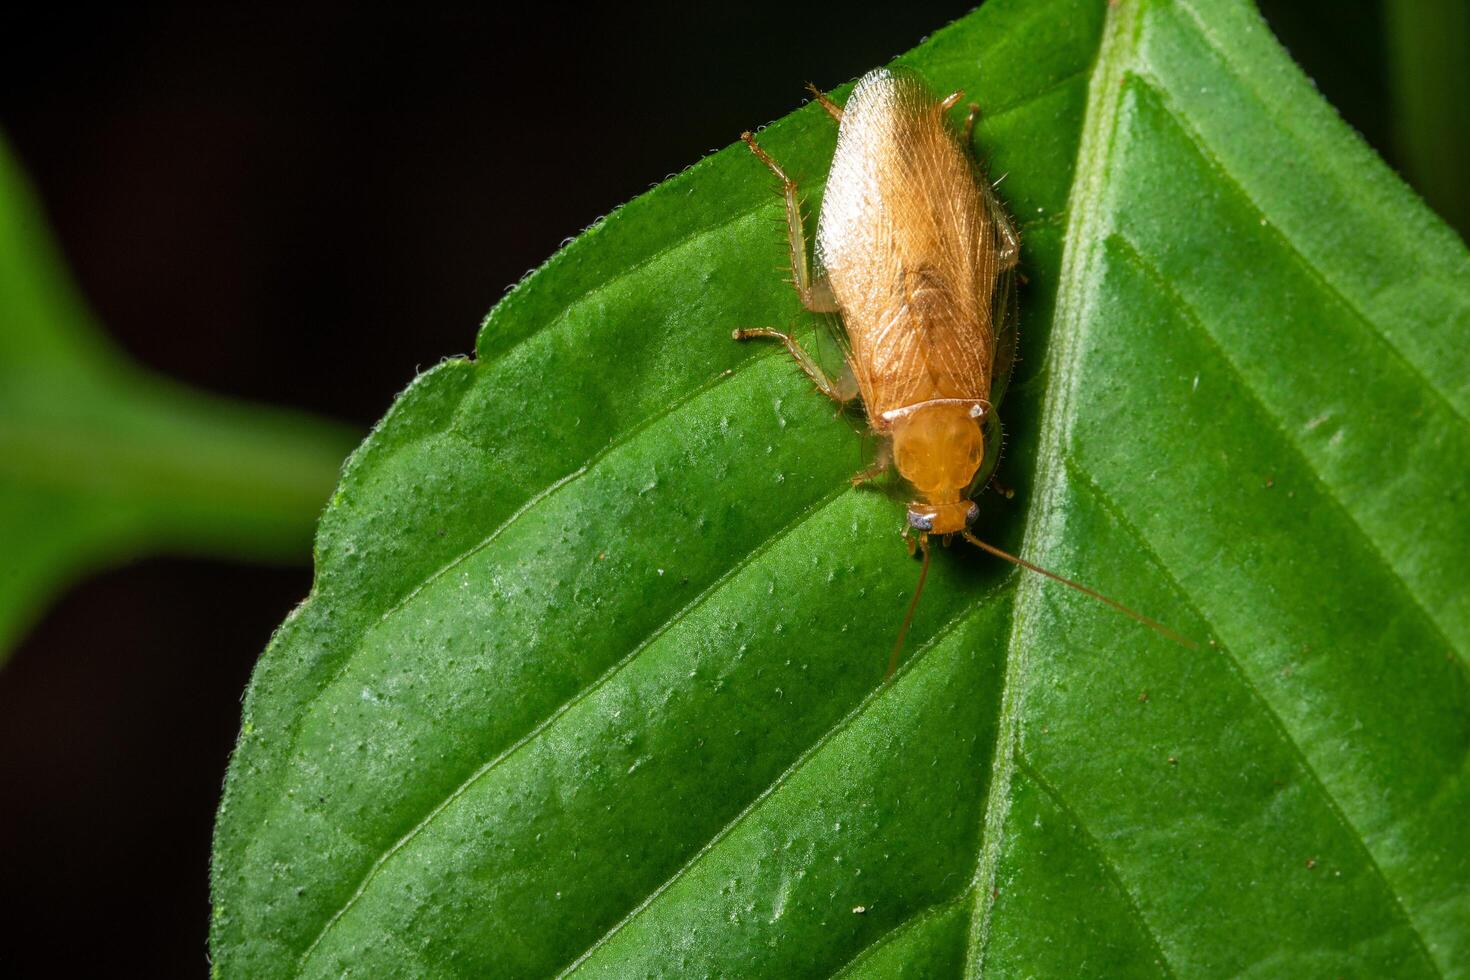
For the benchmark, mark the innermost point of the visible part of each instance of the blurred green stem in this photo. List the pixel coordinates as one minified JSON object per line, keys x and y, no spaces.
{"x":102,"y":461}
{"x":195,"y":472}
{"x":1429,"y":64}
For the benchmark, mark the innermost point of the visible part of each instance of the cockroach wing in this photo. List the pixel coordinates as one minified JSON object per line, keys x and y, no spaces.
{"x":908,"y":241}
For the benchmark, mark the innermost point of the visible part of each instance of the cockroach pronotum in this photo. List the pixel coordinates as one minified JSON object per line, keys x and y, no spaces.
{"x":917,"y":257}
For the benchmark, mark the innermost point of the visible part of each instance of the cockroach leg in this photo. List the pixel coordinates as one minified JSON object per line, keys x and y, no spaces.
{"x":805,"y":361}
{"x":970,"y":118}
{"x":1008,"y":243}
{"x":869,"y":473}
{"x":993,"y":447}
{"x":951,"y":100}
{"x":833,"y":109}
{"x":816,"y":294}
{"x":879,"y":466}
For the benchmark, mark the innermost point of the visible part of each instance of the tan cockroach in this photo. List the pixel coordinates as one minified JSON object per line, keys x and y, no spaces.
{"x":917,"y":257}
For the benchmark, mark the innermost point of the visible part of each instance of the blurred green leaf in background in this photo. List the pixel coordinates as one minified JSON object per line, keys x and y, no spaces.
{"x":101,"y":461}
{"x":1429,"y":61}
{"x":590,"y":679}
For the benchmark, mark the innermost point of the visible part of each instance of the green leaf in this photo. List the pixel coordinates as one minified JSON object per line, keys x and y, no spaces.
{"x":590,"y":681}
{"x":101,"y":462}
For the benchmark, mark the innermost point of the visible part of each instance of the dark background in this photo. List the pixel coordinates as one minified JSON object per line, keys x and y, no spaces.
{"x":301,"y":205}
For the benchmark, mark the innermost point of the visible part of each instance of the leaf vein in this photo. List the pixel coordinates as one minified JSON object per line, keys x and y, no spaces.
{"x":531,"y":503}
{"x":898,"y":929}
{"x":1090,"y":841}
{"x":1154,"y":89}
{"x":689,"y":238}
{"x":580,"y":695}
{"x":1131,"y":253}
{"x":1277,"y":724}
{"x":812,"y":751}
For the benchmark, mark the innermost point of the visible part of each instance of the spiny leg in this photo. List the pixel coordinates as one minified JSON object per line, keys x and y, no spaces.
{"x":879,"y":466}
{"x":985,"y":475}
{"x":815,"y":294}
{"x":833,"y":109}
{"x":1008,"y":243}
{"x":808,"y":364}
{"x":1008,"y":246}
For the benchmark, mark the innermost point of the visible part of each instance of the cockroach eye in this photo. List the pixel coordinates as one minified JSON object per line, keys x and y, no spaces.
{"x":922,"y":522}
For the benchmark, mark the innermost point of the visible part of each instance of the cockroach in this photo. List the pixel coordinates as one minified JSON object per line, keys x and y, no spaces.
{"x":917,"y":257}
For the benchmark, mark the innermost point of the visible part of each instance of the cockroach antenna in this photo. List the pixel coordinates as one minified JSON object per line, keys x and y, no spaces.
{"x":991,"y":549}
{"x":913,"y":605}
{"x":1152,"y":624}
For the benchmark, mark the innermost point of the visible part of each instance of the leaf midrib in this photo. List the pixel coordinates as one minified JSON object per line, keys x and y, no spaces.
{"x":1094,"y":152}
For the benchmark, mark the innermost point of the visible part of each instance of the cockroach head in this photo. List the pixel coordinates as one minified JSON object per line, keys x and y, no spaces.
{"x":943,"y":518}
